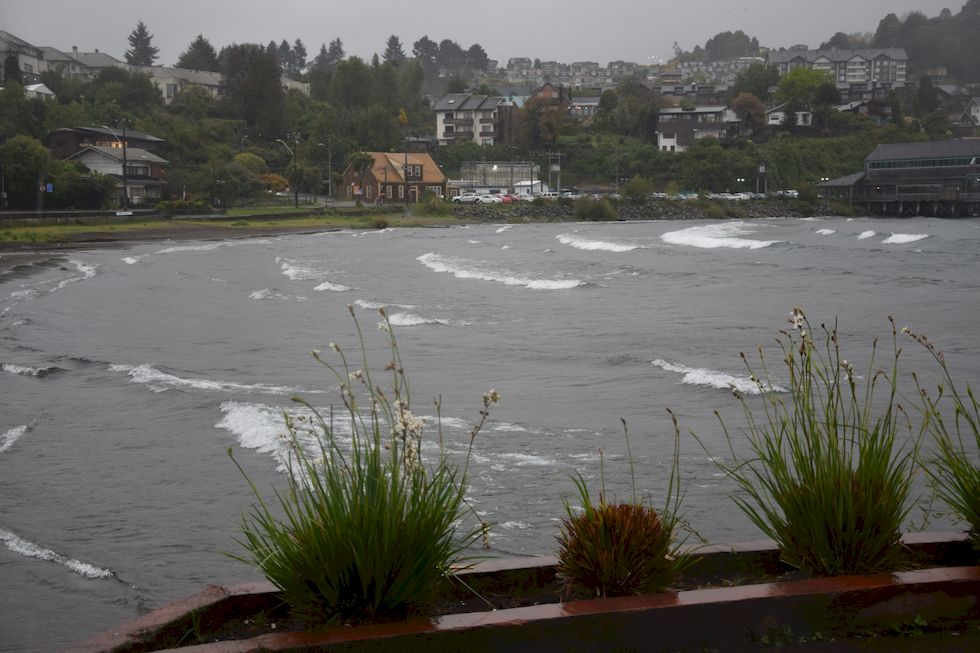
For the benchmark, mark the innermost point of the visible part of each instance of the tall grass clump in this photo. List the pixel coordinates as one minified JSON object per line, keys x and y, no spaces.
{"x":367,"y":525}
{"x":954,"y":467}
{"x":595,"y":210}
{"x":620,"y":549}
{"x":829,"y":475}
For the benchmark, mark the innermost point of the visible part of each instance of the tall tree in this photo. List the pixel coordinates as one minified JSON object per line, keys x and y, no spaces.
{"x":141,"y":52}
{"x":11,"y":70}
{"x":299,"y":57}
{"x":394,"y":53}
{"x":253,"y":90}
{"x":476,"y":58}
{"x":426,"y":52}
{"x":757,"y":79}
{"x":451,"y":56}
{"x":199,"y":55}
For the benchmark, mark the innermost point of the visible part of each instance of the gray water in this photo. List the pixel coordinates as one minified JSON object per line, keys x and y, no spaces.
{"x":127,"y":374}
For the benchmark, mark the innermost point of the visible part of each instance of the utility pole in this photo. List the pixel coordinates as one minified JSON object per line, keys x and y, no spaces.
{"x":125,"y":162}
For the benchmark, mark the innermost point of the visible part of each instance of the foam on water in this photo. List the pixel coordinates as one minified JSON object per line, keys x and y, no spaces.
{"x":373,"y":306}
{"x":413,"y":319}
{"x":864,"y":235}
{"x":826,"y":232}
{"x":715,"y":236}
{"x":332,"y":287}
{"x":30,"y":550}
{"x":213,"y":246}
{"x":268,"y":293}
{"x":902,"y":239}
{"x":466,"y":269}
{"x":159,"y":381}
{"x":506,"y":227}
{"x":24,"y":370}
{"x":8,"y":439}
{"x":713,"y":378}
{"x":131,"y":260}
{"x":22,"y":295}
{"x":297,"y":271}
{"x":88,"y":271}
{"x":594,"y":245}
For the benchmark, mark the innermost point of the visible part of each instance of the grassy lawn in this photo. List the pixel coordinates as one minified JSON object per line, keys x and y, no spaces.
{"x":188,"y":228}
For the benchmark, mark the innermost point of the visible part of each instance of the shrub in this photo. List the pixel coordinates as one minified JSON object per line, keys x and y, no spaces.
{"x":621,"y":549}
{"x":432,"y":205}
{"x":827,"y":478}
{"x":594,"y":210}
{"x":368,"y":527}
{"x":713,"y":212}
{"x":954,"y":468}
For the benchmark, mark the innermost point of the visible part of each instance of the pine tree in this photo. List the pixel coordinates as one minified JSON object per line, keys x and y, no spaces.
{"x":141,"y":52}
{"x":199,"y":55}
{"x":394,"y":53}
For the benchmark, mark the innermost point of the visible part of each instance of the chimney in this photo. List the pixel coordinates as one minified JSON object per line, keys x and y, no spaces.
{"x":74,"y":49}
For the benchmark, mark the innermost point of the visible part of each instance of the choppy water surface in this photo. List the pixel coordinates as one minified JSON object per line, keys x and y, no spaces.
{"x":127,"y":374}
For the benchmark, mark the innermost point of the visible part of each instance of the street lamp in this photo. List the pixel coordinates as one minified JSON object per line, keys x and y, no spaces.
{"x":125,"y":179}
{"x":292,"y":153}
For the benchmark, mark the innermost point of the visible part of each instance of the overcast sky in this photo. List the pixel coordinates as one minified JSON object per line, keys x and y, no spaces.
{"x":605,"y":30}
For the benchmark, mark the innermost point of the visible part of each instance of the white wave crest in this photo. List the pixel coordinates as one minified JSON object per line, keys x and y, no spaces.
{"x":7,"y":439}
{"x":268,"y":293}
{"x":159,"y":381}
{"x":88,"y":271}
{"x":714,"y":379}
{"x":413,"y":319}
{"x":902,"y":239}
{"x":714,"y":236}
{"x":373,"y":306}
{"x":594,"y":245}
{"x":22,"y":295}
{"x":131,"y":260}
{"x":506,"y":227}
{"x":864,"y":235}
{"x":826,"y":232}
{"x":527,"y":460}
{"x":29,"y":549}
{"x":297,"y":271}
{"x":213,"y":246}
{"x":24,"y":370}
{"x":332,"y":287}
{"x":465,"y":269}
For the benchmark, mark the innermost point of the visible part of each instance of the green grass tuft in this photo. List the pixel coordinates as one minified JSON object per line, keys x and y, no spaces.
{"x":827,"y":477}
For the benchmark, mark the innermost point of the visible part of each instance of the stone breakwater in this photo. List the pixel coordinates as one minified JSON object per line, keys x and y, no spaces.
{"x":651,"y":210}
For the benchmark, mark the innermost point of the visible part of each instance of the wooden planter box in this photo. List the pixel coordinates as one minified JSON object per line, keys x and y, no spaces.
{"x":937,"y":603}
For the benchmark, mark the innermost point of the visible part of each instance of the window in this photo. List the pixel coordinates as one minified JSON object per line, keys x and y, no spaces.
{"x":401,"y":192}
{"x":369,"y":191}
{"x":388,"y":191}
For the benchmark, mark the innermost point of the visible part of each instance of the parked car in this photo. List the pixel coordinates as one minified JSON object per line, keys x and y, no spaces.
{"x":507,"y":199}
{"x":489,"y":199}
{"x":466,"y":198}
{"x":549,"y":195}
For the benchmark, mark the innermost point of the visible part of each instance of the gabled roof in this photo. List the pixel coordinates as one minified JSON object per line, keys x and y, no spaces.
{"x":394,"y":163}
{"x":98,"y":60}
{"x":116,"y":153}
{"x":957,"y":147}
{"x":199,"y":77}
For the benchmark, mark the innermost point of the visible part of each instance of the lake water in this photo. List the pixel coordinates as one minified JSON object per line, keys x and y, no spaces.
{"x":128,"y":373}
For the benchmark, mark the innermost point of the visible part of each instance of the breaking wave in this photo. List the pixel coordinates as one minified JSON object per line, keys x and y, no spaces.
{"x":213,"y":246}
{"x":413,"y":319}
{"x":594,"y":245}
{"x":714,"y":379}
{"x":714,"y":236}
{"x":159,"y":381}
{"x":8,"y":439}
{"x":466,"y":269}
{"x":864,"y":235}
{"x":24,"y":370}
{"x":902,"y":239}
{"x":826,"y":232}
{"x":29,"y":549}
{"x":268,"y":293}
{"x":88,"y":271}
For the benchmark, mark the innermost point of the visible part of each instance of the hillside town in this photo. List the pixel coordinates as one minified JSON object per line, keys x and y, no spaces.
{"x":490,"y":128}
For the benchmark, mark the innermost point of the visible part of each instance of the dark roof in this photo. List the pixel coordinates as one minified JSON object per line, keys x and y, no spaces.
{"x":782,"y":56}
{"x":926,"y":150}
{"x":131,"y":134}
{"x":467,"y":102}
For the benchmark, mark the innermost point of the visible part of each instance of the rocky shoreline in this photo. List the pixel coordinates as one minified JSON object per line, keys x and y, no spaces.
{"x":651,"y":210}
